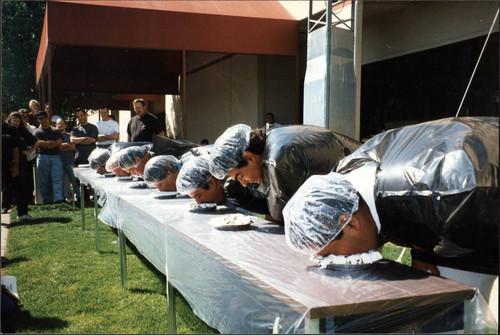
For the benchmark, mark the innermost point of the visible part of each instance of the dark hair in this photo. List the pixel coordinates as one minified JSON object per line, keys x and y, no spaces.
{"x":270,"y":114}
{"x":20,"y":117}
{"x":112,"y":117}
{"x":206,"y":186}
{"x":141,"y":101}
{"x":80,"y":110}
{"x":23,"y":110}
{"x":204,"y":141}
{"x":257,"y":144}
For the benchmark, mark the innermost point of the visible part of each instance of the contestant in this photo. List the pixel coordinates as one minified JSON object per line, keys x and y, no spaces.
{"x":162,"y":172}
{"x":134,"y":159}
{"x":278,"y":162}
{"x":432,"y":187}
{"x":97,"y":160}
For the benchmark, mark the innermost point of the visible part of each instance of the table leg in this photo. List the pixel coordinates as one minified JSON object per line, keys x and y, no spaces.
{"x":172,"y":327}
{"x":123,"y":258}
{"x":82,"y":204}
{"x":96,"y":224}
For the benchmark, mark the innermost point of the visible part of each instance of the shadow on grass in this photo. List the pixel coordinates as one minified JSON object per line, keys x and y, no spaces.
{"x":20,"y":321}
{"x":40,"y":221}
{"x":9,"y":261}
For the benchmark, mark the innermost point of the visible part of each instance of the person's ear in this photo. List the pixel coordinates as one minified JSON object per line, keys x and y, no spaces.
{"x":211,"y":182}
{"x":137,"y":160}
{"x":248,"y":156}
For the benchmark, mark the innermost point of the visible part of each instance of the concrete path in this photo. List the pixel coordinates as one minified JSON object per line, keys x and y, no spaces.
{"x":4,"y":233}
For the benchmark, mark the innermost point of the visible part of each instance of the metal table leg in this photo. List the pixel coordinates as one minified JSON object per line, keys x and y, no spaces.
{"x":96,"y":224}
{"x":123,"y":258}
{"x":82,"y":204}
{"x":172,"y":327}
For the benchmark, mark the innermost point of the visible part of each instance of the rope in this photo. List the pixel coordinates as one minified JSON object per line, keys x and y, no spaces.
{"x":477,"y":63}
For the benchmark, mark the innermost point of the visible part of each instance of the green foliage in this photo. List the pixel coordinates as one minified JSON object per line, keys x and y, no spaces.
{"x":22,"y":23}
{"x":65,"y":286}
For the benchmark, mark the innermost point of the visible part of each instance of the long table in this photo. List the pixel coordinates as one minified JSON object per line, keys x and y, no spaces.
{"x":251,"y":282}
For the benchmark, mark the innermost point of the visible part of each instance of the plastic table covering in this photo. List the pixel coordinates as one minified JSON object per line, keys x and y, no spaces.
{"x":251,"y":282}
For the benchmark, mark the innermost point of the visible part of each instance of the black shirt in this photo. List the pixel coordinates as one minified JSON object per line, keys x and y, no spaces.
{"x":27,"y":139}
{"x":82,"y":151}
{"x":143,"y":129}
{"x":10,"y":140}
{"x":48,"y":134}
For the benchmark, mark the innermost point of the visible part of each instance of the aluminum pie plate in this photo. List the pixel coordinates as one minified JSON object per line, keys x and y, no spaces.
{"x":124,"y":178}
{"x":233,"y":222}
{"x":164,"y":194}
{"x":203,"y":207}
{"x":108,"y":175}
{"x":139,"y":184}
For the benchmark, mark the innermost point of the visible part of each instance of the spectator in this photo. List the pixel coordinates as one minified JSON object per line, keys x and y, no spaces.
{"x":204,"y":142}
{"x":270,"y":124}
{"x":143,"y":126}
{"x":48,"y":163}
{"x":26,"y":115}
{"x":84,"y":136}
{"x":67,"y":155}
{"x":10,"y":162}
{"x":31,"y":158}
{"x":24,"y":182}
{"x":33,"y":116}
{"x":109,"y":130}
{"x":46,"y":109}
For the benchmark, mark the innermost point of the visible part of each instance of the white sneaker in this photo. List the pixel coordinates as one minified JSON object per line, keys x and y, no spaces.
{"x":25,"y":217}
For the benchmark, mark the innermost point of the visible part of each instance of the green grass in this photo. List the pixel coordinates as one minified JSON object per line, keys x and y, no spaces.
{"x":65,"y":286}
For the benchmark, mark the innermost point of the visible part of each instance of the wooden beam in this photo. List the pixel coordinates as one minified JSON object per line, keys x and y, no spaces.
{"x":184,"y":96}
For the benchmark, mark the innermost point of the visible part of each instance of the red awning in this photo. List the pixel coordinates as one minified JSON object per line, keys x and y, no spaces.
{"x":136,"y":46}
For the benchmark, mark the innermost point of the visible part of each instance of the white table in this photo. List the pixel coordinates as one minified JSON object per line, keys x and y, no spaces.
{"x":252,"y":282}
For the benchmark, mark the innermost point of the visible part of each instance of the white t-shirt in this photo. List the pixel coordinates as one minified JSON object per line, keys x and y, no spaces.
{"x":107,"y":128}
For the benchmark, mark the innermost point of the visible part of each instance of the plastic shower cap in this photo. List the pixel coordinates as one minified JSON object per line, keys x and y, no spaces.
{"x":112,"y":162}
{"x":98,"y":158}
{"x":127,"y":156}
{"x":312,"y":215}
{"x":157,"y":168}
{"x":228,"y":150}
{"x":194,"y":175}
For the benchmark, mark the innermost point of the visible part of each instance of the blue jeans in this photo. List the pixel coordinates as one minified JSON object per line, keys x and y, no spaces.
{"x":50,"y":167}
{"x":68,"y":171}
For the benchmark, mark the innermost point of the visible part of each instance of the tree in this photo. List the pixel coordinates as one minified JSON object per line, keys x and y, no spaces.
{"x":22,"y":23}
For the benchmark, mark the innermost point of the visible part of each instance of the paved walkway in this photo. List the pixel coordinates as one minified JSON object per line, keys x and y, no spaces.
{"x":4,"y":233}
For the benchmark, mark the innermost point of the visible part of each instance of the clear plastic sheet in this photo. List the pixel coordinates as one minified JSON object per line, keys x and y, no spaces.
{"x":292,"y":154}
{"x":437,"y":187}
{"x":117,"y":146}
{"x":250,"y":282}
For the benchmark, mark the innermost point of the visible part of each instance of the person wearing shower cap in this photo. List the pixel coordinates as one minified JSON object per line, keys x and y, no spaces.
{"x":196,"y":181}
{"x":113,"y":167}
{"x":278,"y":162}
{"x":134,"y":159}
{"x":97,"y":160}
{"x":432,"y":187}
{"x":162,"y":171}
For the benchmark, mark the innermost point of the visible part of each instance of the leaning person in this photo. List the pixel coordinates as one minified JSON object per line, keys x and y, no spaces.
{"x":134,"y":159}
{"x":162,"y":172}
{"x":432,"y":187}
{"x":278,"y":162}
{"x":196,"y":181}
{"x":97,"y":160}
{"x":113,"y":167}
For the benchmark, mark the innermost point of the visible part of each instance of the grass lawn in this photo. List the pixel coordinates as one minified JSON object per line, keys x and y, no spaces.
{"x":65,"y":286}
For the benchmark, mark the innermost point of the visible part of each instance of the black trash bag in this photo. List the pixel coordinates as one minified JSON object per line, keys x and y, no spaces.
{"x":117,"y":146}
{"x":437,"y":187}
{"x":167,"y":146}
{"x":294,"y":153}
